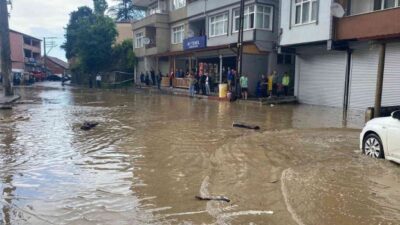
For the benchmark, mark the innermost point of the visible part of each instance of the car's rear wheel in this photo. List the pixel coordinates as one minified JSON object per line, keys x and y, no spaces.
{"x":373,"y":147}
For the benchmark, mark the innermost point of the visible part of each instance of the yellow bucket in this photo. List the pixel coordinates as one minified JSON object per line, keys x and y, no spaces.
{"x":223,"y":90}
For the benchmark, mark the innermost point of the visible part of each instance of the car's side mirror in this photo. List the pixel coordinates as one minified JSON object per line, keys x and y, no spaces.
{"x":396,"y":115}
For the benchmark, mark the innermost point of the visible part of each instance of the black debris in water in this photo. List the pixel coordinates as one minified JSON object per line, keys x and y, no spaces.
{"x":89,"y":125}
{"x":217,"y":198}
{"x":245,"y":126}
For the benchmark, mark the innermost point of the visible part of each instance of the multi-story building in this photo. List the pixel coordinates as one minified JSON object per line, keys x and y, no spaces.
{"x":202,"y":35}
{"x":337,"y":55}
{"x":25,"y":52}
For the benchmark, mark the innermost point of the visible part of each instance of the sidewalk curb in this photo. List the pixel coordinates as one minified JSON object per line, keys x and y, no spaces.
{"x":9,"y":100}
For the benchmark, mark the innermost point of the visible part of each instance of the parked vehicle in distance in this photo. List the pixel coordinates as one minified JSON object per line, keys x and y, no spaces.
{"x":380,"y":138}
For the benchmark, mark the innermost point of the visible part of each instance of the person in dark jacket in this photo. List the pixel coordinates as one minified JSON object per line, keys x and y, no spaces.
{"x":153,"y":77}
{"x":142,"y":78}
{"x":147,"y":78}
{"x":203,"y":79}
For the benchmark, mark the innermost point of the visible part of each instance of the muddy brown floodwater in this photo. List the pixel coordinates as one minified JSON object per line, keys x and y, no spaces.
{"x":152,"y":154}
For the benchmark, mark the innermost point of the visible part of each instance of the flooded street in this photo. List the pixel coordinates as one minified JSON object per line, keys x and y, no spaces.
{"x":152,"y":154}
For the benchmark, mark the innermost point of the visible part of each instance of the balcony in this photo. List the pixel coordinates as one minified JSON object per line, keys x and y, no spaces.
{"x":369,"y":26}
{"x":151,"y":21}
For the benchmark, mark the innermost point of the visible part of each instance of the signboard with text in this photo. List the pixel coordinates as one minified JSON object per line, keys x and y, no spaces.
{"x":195,"y":43}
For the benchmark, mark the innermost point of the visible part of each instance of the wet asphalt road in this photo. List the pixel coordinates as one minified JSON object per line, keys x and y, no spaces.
{"x":152,"y":154}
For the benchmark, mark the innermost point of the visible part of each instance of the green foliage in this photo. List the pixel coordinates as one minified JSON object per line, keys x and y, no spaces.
{"x":70,"y":46}
{"x":125,"y":11}
{"x":95,"y":40}
{"x":100,"y":6}
{"x":89,"y":40}
{"x":124,"y":58}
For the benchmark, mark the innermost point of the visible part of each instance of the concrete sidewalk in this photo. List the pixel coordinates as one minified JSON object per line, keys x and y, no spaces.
{"x":8,"y":100}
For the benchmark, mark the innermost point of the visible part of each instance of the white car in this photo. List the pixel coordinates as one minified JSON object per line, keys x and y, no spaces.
{"x":380,"y":138}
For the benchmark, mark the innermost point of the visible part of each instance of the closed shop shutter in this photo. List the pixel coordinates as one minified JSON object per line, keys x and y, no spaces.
{"x":391,"y":81}
{"x":363,"y":78}
{"x":322,"y":78}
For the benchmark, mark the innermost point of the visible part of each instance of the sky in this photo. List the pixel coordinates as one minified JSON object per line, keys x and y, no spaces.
{"x":45,"y":18}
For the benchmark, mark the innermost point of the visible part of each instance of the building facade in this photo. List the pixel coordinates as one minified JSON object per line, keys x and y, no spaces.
{"x":124,"y":31}
{"x":56,"y":66}
{"x":201,"y":36}
{"x":25,"y":53}
{"x":337,"y":55}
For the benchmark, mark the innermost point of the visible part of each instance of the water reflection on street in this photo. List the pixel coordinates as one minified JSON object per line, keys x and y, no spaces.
{"x":152,"y":154}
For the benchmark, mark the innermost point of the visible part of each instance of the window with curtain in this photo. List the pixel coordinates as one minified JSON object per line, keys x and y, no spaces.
{"x":306,"y":11}
{"x":139,"y":40}
{"x":178,"y":34}
{"x":218,"y":25}
{"x":259,"y":16}
{"x":177,"y":4}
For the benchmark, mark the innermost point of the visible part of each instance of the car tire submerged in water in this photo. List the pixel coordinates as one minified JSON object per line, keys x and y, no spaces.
{"x":372,"y":146}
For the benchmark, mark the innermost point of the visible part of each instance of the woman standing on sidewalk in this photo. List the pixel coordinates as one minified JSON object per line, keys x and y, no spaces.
{"x":191,"y":85}
{"x":244,"y":84}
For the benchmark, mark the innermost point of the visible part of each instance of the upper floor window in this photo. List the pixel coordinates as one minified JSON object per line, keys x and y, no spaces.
{"x":386,"y":4}
{"x":218,"y":25}
{"x":264,"y":17}
{"x":139,"y":40}
{"x":259,"y":17}
{"x":305,"y":11}
{"x":177,"y":4}
{"x":177,"y":34}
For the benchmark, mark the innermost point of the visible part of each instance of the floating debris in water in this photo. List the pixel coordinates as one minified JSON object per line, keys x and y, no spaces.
{"x":89,"y":125}
{"x":245,"y":126}
{"x":213,"y":198}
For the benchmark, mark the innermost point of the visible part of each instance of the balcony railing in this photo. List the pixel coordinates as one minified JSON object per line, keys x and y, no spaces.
{"x":373,"y":25}
{"x":151,"y":20}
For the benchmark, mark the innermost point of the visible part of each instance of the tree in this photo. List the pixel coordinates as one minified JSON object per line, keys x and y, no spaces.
{"x":125,"y":11}
{"x":89,"y":41}
{"x":124,"y":58}
{"x":95,"y":40}
{"x":100,"y":6}
{"x":72,"y":30}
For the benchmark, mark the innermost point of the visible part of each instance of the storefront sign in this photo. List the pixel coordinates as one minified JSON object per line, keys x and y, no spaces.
{"x":195,"y":43}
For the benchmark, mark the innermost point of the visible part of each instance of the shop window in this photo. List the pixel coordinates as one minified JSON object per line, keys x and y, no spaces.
{"x":306,"y":11}
{"x":177,"y":34}
{"x":285,"y":59}
{"x":219,"y":25}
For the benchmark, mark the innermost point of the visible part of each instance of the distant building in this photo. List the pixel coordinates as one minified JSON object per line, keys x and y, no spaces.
{"x":56,"y":65}
{"x":124,"y":31}
{"x":25,"y":52}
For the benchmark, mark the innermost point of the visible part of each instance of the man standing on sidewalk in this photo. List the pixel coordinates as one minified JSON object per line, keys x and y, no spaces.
{"x":98,"y":80}
{"x":285,"y":83}
{"x":244,"y":84}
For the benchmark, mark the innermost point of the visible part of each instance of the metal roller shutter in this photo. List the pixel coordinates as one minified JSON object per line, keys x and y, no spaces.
{"x":391,"y":80}
{"x":363,"y":78}
{"x":322,"y":78}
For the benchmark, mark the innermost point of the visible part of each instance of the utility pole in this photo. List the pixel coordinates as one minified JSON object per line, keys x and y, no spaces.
{"x":5,"y":49}
{"x":379,"y":81}
{"x":240,"y":47}
{"x":51,"y":44}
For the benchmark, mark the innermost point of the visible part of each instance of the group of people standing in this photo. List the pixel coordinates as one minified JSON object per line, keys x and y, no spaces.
{"x":151,"y":79}
{"x":273,"y":85}
{"x":200,"y":84}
